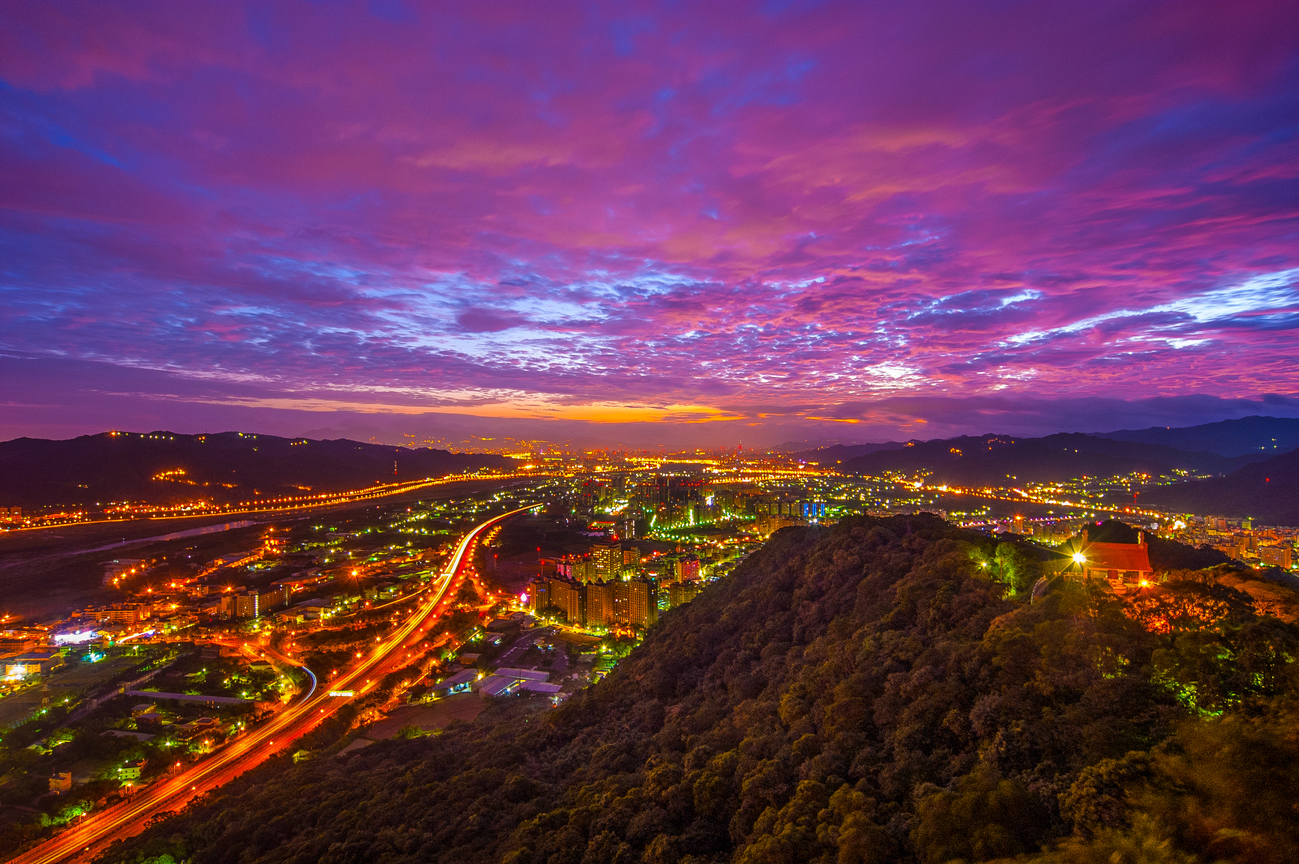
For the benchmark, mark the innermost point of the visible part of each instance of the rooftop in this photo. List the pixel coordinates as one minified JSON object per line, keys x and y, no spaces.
{"x":1117,"y":556}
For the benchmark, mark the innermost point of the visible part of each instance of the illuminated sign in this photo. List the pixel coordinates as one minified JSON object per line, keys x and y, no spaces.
{"x":344,"y":693}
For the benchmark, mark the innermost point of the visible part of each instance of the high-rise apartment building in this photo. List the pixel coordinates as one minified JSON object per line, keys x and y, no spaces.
{"x":538,"y":595}
{"x":635,"y":603}
{"x":567,"y":598}
{"x":246,"y":606}
{"x":599,"y":604}
{"x":276,"y":598}
{"x":252,"y":604}
{"x":607,"y":558}
{"x":1276,"y":556}
{"x":596,"y":604}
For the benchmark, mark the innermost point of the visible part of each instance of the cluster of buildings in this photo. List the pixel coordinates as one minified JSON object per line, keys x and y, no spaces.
{"x":615,"y":586}
{"x":614,"y":560}
{"x":1240,"y":539}
{"x":631,"y":603}
{"x":693,"y":492}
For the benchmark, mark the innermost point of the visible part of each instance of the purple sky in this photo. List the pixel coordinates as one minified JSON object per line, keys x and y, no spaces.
{"x":749,"y":221}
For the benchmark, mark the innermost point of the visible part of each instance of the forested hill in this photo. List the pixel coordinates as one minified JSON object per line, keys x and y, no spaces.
{"x":165,"y":467}
{"x":995,"y":460}
{"x":1267,"y":491}
{"x":1270,"y":436}
{"x":855,"y":694}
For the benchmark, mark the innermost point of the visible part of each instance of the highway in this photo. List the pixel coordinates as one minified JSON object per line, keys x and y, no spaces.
{"x":96,"y":832}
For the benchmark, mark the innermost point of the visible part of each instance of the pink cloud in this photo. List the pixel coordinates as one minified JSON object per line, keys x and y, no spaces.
{"x":682,"y":205}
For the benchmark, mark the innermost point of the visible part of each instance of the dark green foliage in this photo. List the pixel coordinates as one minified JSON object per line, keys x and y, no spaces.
{"x":1008,"y":564}
{"x":1225,"y":789}
{"x":1099,"y":798}
{"x":861,"y":694}
{"x":1219,"y":790}
{"x":986,"y":816}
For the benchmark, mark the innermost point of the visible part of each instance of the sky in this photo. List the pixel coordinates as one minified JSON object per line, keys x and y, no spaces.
{"x":654,"y":224}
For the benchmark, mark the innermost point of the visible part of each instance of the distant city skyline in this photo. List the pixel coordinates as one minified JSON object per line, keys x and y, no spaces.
{"x":647,"y":225}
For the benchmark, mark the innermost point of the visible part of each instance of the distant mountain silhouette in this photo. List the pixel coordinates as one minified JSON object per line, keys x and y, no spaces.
{"x":1001,"y":460}
{"x":1264,"y":435}
{"x":838,"y":453}
{"x":1267,"y":491}
{"x":223,"y":467}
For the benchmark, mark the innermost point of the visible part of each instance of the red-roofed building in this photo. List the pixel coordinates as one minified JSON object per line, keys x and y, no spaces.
{"x":1123,"y":565}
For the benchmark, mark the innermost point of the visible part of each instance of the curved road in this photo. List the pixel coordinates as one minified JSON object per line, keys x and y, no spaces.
{"x":94,"y":833}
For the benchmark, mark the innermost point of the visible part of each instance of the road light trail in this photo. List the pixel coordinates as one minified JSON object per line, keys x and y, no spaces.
{"x":93,"y":834}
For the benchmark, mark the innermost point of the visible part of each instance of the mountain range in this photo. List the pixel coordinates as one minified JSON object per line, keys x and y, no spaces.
{"x":1001,"y":460}
{"x":1266,"y":491}
{"x":1266,"y":435}
{"x":165,"y":467}
{"x":1254,"y":457}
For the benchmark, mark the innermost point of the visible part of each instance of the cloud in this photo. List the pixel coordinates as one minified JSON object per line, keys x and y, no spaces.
{"x":488,"y":320}
{"x":712,"y":207}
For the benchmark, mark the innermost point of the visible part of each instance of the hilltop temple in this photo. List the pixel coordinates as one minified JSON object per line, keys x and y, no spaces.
{"x":1124,"y":565}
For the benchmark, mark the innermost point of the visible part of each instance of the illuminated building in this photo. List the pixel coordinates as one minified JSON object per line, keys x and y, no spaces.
{"x":680,"y":593}
{"x":245,"y":606}
{"x":550,"y":596}
{"x":767,"y":525}
{"x":575,"y":568}
{"x":1121,"y":564}
{"x":131,"y":770}
{"x":252,"y":604}
{"x":635,"y":603}
{"x":132,"y":614}
{"x":33,"y":663}
{"x":596,"y":604}
{"x":538,"y":595}
{"x":457,"y":683}
{"x":607,"y":558}
{"x":1276,"y":556}
{"x":567,"y":598}
{"x":599,"y":604}
{"x":18,"y":641}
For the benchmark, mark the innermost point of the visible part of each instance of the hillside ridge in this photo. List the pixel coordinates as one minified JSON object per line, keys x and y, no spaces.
{"x":165,"y":467}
